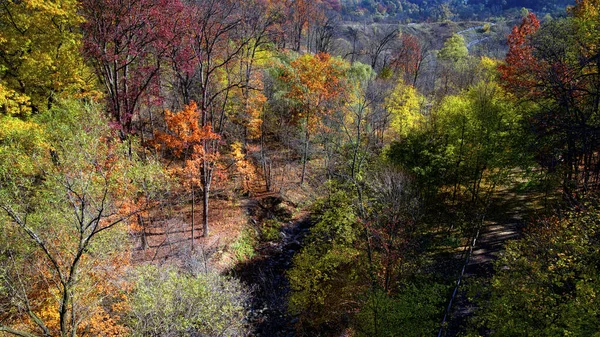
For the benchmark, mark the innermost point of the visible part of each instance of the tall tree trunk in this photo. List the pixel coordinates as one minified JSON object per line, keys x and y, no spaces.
{"x":193,"y":216}
{"x":266,"y":167}
{"x":459,"y":161}
{"x":305,"y":154}
{"x":205,"y":195}
{"x":63,"y":310}
{"x":143,"y":239}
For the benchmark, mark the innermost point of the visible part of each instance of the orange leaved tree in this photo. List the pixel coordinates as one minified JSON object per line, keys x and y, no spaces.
{"x":316,"y":88}
{"x":186,"y":138}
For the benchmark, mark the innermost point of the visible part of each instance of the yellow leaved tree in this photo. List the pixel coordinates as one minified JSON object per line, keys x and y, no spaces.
{"x":39,"y":55}
{"x":403,"y":105}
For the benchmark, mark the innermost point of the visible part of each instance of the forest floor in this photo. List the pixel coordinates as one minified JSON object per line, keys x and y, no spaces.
{"x":168,"y":230}
{"x":168,"y":234}
{"x":510,"y":210}
{"x":236,"y":245}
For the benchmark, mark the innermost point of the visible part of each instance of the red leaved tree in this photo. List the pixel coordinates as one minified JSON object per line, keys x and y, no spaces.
{"x":408,"y":57}
{"x":518,"y":74}
{"x":126,"y":41}
{"x":555,"y":66}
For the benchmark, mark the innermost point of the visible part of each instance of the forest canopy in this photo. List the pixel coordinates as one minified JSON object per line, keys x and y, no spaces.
{"x":306,"y":168}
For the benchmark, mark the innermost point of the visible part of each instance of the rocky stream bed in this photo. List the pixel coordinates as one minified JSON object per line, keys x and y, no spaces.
{"x":266,"y":275}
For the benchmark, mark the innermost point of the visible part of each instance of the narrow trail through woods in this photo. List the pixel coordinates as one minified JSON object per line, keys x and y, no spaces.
{"x":509,"y":212}
{"x":477,"y":39}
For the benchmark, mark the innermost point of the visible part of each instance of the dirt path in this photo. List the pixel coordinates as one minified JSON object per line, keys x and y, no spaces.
{"x":506,"y":218}
{"x":477,"y":39}
{"x":474,"y":28}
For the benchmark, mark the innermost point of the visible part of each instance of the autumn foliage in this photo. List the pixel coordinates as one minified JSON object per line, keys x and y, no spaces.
{"x":521,"y":66}
{"x":40,"y":61}
{"x":408,"y":57}
{"x":316,"y":85}
{"x":316,"y":89}
{"x":119,"y":117}
{"x":185,"y":138}
{"x":126,"y":41}
{"x":185,"y":134}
